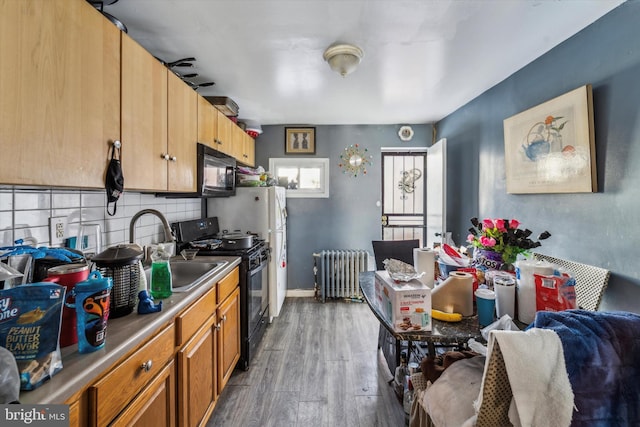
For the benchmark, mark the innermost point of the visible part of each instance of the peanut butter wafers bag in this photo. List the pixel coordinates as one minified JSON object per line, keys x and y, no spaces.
{"x":30,"y":318}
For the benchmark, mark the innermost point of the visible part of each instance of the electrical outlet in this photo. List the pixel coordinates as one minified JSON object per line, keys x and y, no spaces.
{"x":57,"y":229}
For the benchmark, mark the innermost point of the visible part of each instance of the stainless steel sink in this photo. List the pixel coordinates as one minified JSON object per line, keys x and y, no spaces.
{"x":186,"y":275}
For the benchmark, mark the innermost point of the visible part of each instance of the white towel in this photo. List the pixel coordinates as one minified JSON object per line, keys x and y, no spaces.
{"x":534,"y":361}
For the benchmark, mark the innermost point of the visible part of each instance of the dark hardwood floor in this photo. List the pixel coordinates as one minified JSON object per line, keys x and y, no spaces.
{"x":316,"y":366}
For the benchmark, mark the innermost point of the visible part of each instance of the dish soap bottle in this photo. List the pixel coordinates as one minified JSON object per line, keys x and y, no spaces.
{"x":160,"y":273}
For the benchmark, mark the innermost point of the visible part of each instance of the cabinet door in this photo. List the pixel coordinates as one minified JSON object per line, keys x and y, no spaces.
{"x":60,"y":92}
{"x":74,"y":415}
{"x":182,"y":131}
{"x":248,"y":150}
{"x":207,"y":123}
{"x":224,"y":136}
{"x":155,"y":406}
{"x":229,"y":337}
{"x":144,"y":118}
{"x":197,"y":387}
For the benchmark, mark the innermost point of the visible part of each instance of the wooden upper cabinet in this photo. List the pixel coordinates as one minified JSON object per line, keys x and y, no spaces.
{"x":248,"y":150}
{"x":207,"y":122}
{"x":144,"y":118}
{"x":225,"y":134}
{"x":60,"y":92}
{"x":182,"y":124}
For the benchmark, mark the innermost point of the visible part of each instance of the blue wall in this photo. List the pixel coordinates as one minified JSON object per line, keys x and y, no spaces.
{"x":601,"y":228}
{"x":349,"y":218}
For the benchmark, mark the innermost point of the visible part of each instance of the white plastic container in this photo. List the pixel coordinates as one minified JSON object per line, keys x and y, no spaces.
{"x":526,"y":287}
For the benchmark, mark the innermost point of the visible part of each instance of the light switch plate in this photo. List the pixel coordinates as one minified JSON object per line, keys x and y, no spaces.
{"x":57,"y":229}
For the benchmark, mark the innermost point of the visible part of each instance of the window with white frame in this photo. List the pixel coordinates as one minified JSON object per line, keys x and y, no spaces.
{"x":302,"y":177}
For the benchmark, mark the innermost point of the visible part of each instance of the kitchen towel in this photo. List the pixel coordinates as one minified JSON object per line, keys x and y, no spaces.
{"x":424,"y":262}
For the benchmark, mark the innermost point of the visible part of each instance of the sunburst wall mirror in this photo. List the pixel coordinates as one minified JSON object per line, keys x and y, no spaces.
{"x":354,"y":160}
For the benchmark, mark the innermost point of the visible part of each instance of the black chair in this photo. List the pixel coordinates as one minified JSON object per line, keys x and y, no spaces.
{"x":398,"y":249}
{"x":401,"y":250}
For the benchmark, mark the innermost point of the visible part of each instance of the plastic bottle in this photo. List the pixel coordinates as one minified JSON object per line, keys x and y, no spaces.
{"x":402,"y":372}
{"x":407,"y":400}
{"x":160,"y":273}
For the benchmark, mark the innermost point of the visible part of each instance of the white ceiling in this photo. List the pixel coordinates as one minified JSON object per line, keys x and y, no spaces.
{"x":423,"y":58}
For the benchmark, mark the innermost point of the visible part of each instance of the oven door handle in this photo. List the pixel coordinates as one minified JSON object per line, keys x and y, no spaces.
{"x":263,"y":264}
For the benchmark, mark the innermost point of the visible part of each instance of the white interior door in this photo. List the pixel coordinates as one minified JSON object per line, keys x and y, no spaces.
{"x":436,"y":181}
{"x":403,"y":194}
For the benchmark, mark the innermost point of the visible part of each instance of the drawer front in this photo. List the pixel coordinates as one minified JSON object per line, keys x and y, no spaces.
{"x":228,"y":284}
{"x":190,"y":320}
{"x":112,"y":393}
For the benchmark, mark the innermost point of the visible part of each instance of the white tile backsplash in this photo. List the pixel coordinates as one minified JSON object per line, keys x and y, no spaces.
{"x":32,"y":199}
{"x":28,"y":219}
{"x":6,"y":220}
{"x":64,"y":199}
{"x":94,"y":199}
{"x":26,"y":212}
{"x":6,"y":201}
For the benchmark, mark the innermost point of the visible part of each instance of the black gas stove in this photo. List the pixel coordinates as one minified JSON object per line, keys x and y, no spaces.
{"x":254,"y":277}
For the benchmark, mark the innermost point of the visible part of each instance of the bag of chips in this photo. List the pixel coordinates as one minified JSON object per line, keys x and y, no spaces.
{"x":30,"y":318}
{"x":555,"y":292}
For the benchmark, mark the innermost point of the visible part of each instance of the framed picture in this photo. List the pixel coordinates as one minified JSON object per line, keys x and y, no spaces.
{"x":300,"y":141}
{"x":550,"y":148}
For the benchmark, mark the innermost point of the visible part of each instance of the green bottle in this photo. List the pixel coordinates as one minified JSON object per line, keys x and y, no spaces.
{"x":161,"y":287}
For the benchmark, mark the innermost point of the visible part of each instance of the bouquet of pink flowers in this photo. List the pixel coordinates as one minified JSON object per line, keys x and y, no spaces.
{"x":503,"y":236}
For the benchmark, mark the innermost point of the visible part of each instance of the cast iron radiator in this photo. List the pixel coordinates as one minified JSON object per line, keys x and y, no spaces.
{"x":337,"y":273}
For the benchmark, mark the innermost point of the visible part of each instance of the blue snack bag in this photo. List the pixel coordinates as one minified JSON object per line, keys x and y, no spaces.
{"x":30,"y":319}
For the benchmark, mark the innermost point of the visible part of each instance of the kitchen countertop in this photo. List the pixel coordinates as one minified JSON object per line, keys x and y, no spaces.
{"x":123,"y":334}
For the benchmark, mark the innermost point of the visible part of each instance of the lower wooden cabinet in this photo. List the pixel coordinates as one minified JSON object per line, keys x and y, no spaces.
{"x":74,"y":415}
{"x":197,"y":364}
{"x":155,"y":406}
{"x":229,"y":337}
{"x":174,"y":377}
{"x":112,"y":394}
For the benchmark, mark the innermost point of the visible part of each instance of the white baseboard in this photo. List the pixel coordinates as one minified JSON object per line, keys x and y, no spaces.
{"x":301,"y":293}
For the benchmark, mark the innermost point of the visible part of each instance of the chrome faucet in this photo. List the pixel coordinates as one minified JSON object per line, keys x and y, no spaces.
{"x":168,"y":234}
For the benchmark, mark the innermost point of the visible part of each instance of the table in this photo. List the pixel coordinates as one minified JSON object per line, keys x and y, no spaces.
{"x":442,"y":333}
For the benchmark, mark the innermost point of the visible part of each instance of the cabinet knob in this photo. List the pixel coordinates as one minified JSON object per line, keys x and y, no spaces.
{"x":224,"y":318}
{"x":146,"y":366}
{"x":164,"y":156}
{"x":218,"y":327}
{"x":174,"y":158}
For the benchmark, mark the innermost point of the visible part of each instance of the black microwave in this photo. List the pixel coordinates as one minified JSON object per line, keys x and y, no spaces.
{"x":216,"y":175}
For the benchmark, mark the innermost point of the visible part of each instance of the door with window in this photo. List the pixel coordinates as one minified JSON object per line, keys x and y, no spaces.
{"x":413,"y":194}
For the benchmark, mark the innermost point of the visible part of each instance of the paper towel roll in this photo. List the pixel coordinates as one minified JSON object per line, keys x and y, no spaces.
{"x":526,"y":287}
{"x":455,"y":294}
{"x":424,"y":262}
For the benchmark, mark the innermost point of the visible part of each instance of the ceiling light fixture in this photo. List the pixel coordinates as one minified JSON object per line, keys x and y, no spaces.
{"x":343,"y":58}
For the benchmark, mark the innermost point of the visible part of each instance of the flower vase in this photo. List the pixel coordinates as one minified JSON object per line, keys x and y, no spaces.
{"x":487,"y":259}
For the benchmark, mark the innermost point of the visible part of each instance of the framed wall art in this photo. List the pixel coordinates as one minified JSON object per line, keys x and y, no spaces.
{"x":300,"y":140}
{"x":550,"y":148}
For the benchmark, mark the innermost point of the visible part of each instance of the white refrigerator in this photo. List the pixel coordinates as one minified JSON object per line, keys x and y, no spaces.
{"x":260,"y":210}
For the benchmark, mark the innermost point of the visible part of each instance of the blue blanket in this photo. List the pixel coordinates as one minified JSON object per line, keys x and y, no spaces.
{"x":602,"y":355}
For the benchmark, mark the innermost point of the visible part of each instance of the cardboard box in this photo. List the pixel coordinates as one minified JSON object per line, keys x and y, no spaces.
{"x":406,"y":305}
